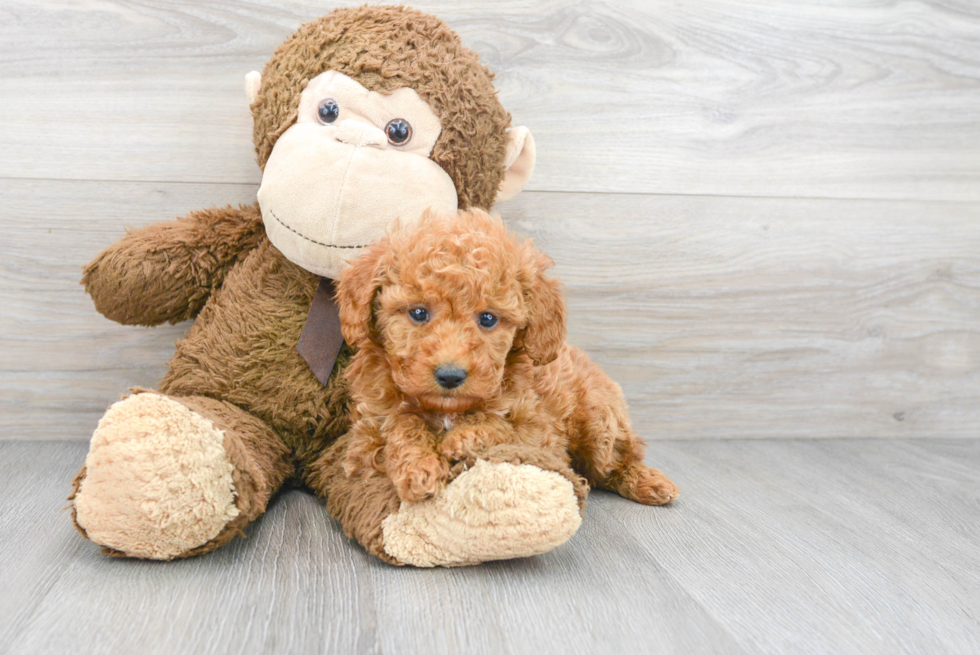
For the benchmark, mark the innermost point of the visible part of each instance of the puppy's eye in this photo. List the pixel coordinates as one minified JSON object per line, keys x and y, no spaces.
{"x":487,"y":320}
{"x":418,"y":314}
{"x":328,"y":111}
{"x":399,"y":132}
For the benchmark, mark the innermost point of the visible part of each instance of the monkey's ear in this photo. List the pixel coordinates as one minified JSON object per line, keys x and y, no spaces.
{"x":544,"y":335}
{"x":356,"y":289}
{"x":518,"y":163}
{"x":252,"y":83}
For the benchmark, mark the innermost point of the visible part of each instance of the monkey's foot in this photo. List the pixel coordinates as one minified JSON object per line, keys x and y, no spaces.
{"x":489,"y":512}
{"x":157,"y":482}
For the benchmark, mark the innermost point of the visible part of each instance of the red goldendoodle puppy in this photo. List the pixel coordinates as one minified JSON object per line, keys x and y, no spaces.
{"x":460,"y":342}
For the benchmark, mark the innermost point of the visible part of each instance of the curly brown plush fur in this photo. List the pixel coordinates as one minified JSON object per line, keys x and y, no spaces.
{"x":238,"y":367}
{"x":413,"y":304}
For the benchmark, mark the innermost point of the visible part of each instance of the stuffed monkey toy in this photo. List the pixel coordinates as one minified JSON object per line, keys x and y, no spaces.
{"x":361,"y":117}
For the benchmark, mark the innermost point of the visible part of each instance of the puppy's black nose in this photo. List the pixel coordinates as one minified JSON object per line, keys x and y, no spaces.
{"x":449,"y":376}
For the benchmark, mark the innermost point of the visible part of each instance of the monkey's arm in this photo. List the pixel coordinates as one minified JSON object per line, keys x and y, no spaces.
{"x":166,"y":271}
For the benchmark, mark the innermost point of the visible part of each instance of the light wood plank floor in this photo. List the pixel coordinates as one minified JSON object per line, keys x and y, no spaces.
{"x":776,"y":546}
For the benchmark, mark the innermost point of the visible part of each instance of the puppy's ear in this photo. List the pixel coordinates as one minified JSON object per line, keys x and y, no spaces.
{"x":544,"y":335}
{"x":358,"y":285}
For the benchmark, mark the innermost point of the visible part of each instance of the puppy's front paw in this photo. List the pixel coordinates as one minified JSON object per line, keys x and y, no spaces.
{"x":466,"y":442}
{"x":422,"y":479}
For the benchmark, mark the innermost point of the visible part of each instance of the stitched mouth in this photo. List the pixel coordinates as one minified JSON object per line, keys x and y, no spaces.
{"x":319,"y":243}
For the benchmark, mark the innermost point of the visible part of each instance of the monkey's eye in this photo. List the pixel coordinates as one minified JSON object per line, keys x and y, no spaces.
{"x":419,"y":315}
{"x":487,"y":320}
{"x":328,"y":111}
{"x":399,"y":131}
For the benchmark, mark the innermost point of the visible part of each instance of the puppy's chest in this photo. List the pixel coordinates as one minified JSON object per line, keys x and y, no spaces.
{"x":444,"y":426}
{"x":440,"y":423}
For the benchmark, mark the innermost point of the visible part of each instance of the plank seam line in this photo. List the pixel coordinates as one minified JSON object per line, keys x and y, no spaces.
{"x":946,"y":201}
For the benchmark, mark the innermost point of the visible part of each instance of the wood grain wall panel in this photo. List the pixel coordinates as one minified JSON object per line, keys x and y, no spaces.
{"x":721,"y":317}
{"x":719,"y":97}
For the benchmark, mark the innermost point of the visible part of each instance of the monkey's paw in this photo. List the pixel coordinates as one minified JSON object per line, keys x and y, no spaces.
{"x":157,"y":481}
{"x":489,"y":512}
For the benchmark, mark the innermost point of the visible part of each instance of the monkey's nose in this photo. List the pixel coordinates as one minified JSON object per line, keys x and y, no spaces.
{"x":356,"y":133}
{"x":449,"y":376}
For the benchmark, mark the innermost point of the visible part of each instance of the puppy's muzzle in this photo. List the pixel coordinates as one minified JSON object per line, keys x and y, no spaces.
{"x":449,"y":376}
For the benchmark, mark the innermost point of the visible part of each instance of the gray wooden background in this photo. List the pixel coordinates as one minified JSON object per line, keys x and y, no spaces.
{"x":767,"y":214}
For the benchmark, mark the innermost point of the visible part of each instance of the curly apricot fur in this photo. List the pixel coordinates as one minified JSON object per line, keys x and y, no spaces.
{"x":524,"y":385}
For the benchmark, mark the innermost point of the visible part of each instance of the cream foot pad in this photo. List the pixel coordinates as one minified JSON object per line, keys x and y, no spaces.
{"x":158,"y":482}
{"x":490,"y":512}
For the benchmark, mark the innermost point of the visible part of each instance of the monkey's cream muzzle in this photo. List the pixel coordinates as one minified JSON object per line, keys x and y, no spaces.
{"x":329,"y":190}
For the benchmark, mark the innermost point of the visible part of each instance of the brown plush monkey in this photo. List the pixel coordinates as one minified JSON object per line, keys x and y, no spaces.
{"x":362,"y":116}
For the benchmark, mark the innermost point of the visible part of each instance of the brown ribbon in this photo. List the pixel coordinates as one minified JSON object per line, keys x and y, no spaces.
{"x":321,"y":339}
